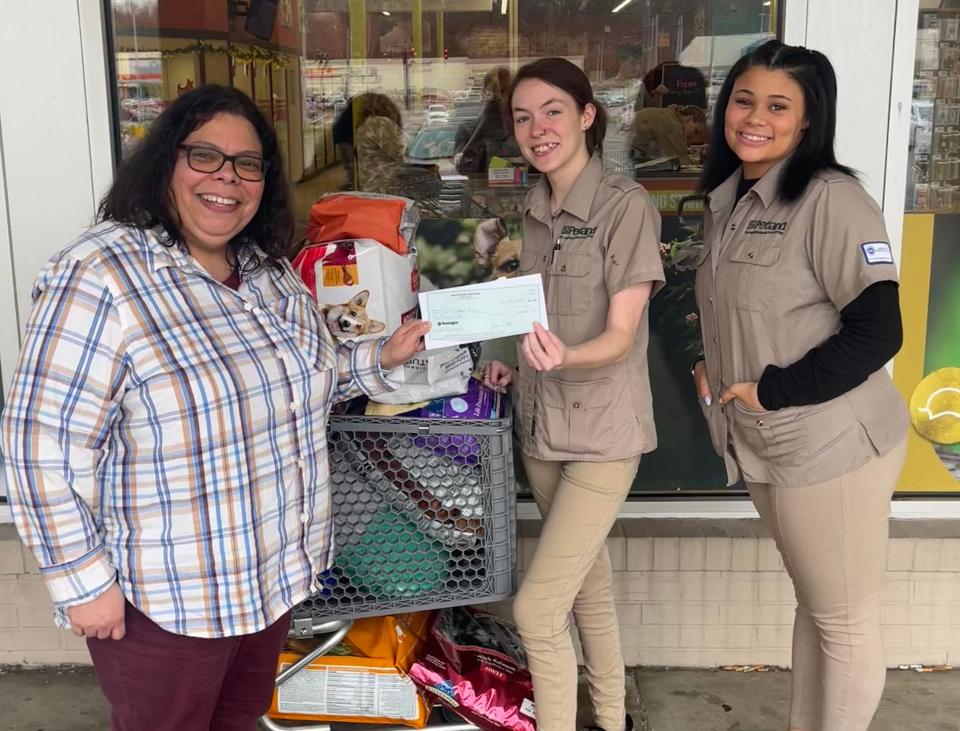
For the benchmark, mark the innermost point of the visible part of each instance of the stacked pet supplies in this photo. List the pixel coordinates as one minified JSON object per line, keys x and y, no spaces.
{"x":422,"y":484}
{"x":363,"y":680}
{"x":360,"y":265}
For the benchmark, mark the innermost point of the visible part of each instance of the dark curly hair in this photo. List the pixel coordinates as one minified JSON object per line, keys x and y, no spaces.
{"x":141,"y":195}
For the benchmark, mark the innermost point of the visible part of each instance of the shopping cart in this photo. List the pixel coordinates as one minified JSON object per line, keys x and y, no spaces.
{"x":424,"y":514}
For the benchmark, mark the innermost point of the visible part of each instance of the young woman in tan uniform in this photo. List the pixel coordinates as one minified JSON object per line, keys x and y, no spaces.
{"x":583,"y":406}
{"x":797,"y":291}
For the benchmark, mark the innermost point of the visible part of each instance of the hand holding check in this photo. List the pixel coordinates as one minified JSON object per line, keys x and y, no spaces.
{"x":543,"y":350}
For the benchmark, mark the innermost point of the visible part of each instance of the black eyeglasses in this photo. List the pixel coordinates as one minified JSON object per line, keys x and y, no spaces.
{"x":210,"y":160}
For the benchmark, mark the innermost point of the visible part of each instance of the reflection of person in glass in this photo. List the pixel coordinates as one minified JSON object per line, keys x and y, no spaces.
{"x":379,"y":142}
{"x":667,"y":132}
{"x":343,"y":141}
{"x":490,"y":136}
{"x":584,"y":411}
{"x":627,"y":80}
{"x":670,"y":83}
{"x":799,"y":312}
{"x":165,"y":434}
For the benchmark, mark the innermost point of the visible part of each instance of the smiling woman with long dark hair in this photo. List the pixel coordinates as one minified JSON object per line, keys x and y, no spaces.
{"x":797,"y":290}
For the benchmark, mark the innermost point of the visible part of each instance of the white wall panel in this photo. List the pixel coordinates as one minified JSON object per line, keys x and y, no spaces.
{"x":54,"y":117}
{"x":55,"y":145}
{"x":857,"y":37}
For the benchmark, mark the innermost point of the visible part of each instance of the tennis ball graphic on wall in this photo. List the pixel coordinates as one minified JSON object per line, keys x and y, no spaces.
{"x":935,"y":406}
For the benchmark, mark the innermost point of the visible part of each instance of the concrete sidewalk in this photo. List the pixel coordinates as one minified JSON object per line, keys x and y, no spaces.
{"x":68,"y":699}
{"x":714,"y":700}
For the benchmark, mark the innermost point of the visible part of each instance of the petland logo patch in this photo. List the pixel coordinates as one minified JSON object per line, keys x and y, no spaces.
{"x":756,"y":226}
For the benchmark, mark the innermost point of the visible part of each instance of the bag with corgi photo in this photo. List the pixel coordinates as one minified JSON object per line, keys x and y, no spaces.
{"x":366,"y":289}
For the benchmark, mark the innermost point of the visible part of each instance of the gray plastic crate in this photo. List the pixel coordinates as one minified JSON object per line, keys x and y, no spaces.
{"x":424,"y":516}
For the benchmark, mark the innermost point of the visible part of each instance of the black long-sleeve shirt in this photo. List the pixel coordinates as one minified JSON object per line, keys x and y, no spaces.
{"x":870,"y":334}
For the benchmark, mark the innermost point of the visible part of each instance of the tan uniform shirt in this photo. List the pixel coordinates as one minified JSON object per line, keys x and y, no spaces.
{"x":771,"y":283}
{"x":605,"y":238}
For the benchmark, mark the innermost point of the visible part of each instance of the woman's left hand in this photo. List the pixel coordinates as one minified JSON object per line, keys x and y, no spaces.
{"x":543,"y":350}
{"x":745,"y":392}
{"x":406,"y":341}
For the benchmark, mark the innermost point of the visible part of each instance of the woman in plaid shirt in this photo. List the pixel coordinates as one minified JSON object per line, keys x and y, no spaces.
{"x":165,"y":432}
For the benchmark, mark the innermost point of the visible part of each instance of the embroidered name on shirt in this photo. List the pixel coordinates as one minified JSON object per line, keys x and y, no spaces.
{"x":578,"y":232}
{"x":877,"y":252}
{"x":756,"y":226}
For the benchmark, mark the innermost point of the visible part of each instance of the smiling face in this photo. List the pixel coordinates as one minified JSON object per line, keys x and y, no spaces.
{"x":215,"y":207}
{"x":765,"y":119}
{"x":550,"y":128}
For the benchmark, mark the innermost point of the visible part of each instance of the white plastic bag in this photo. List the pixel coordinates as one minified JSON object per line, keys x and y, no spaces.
{"x":429,"y":375}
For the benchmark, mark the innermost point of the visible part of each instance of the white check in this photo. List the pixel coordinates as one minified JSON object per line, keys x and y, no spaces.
{"x":486,"y":311}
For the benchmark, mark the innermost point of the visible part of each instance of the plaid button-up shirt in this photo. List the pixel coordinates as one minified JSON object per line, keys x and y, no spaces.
{"x":167,"y":432}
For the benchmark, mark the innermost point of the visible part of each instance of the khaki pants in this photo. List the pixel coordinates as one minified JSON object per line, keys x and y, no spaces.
{"x":833,"y":540}
{"x":570,"y":570}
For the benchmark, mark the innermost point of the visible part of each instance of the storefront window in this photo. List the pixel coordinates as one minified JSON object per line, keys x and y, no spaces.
{"x":927,"y":369}
{"x":431,"y":74}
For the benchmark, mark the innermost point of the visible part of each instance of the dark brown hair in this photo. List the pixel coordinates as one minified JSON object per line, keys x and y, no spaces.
{"x":372,"y":104}
{"x":141,"y":195}
{"x":497,"y":82}
{"x":568,"y":77}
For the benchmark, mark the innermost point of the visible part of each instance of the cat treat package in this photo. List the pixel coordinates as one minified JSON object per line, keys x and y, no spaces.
{"x":472,"y":662}
{"x":388,"y":219}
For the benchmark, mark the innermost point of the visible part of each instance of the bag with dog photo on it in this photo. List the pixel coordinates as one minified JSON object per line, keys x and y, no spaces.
{"x":365,"y":291}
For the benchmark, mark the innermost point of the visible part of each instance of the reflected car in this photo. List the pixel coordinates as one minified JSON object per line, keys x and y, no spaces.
{"x":146,"y":109}
{"x":467,"y":112}
{"x":432,"y":144}
{"x":611,"y":98}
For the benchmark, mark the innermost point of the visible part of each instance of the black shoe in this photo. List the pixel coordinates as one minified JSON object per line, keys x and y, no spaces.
{"x":628,"y":727}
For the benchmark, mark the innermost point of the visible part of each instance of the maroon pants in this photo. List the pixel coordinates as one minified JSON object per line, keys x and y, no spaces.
{"x":159,"y":681}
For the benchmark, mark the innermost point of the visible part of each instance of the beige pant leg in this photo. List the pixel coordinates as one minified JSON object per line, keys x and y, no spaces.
{"x":833,"y":538}
{"x":805,"y":678}
{"x":570,"y":570}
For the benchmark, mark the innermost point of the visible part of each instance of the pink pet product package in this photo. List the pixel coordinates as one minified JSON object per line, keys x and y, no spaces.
{"x":473,"y":663}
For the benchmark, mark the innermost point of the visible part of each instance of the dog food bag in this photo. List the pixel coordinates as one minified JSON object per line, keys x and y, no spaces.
{"x":389,"y":219}
{"x":366,"y":290}
{"x":367,"y":683}
{"x":349,"y":690}
{"x":472,"y":662}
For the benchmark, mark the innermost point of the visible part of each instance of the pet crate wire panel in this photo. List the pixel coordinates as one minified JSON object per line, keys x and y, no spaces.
{"x":424,"y":516}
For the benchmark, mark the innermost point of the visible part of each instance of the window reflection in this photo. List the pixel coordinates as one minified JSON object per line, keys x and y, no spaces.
{"x":405,"y":97}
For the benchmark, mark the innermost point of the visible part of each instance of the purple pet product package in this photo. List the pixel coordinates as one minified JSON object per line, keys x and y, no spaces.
{"x":477,"y":404}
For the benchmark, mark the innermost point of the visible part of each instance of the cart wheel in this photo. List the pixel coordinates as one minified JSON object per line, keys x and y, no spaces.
{"x":449,"y":716}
